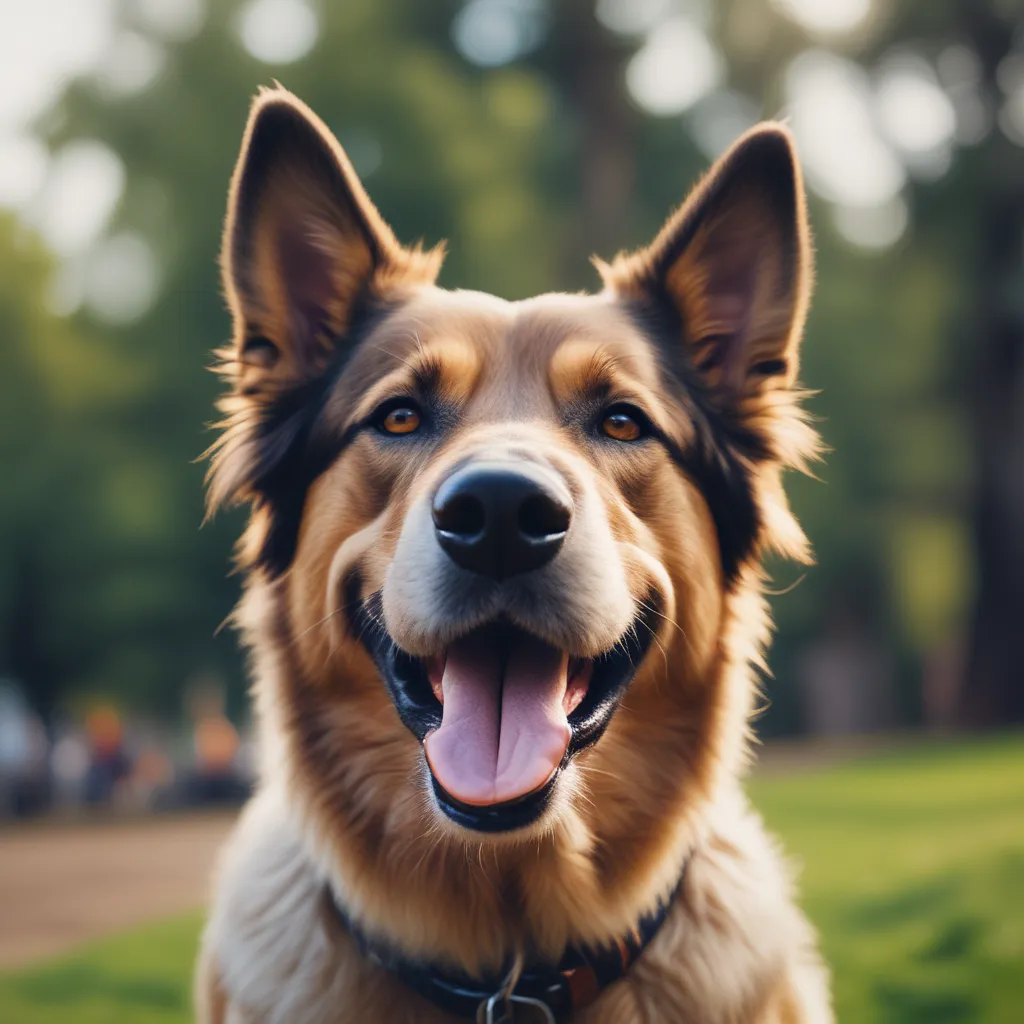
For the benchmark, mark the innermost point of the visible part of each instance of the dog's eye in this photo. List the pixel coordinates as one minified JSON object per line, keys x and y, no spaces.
{"x":401,"y":419}
{"x":623,"y":424}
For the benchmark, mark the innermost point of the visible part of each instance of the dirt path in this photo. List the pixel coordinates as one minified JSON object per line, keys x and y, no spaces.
{"x":62,"y":884}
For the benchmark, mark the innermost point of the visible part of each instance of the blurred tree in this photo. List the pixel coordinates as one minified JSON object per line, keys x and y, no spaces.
{"x":507,"y":125}
{"x":916,"y":349}
{"x":993,"y":691}
{"x":440,"y":155}
{"x":55,"y":389}
{"x":587,"y":63}
{"x":26,"y":453}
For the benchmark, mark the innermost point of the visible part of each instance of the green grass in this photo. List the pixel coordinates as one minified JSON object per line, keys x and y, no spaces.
{"x":143,"y":977}
{"x":913,"y":869}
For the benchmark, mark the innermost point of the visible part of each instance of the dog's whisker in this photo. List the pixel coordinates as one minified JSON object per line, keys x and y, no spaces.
{"x":656,"y":639}
{"x":309,"y":629}
{"x":657,"y":611}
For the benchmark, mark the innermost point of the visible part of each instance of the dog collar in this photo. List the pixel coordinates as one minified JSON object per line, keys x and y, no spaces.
{"x":557,"y":992}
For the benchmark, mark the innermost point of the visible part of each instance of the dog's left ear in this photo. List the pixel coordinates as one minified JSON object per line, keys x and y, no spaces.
{"x":735,"y":264}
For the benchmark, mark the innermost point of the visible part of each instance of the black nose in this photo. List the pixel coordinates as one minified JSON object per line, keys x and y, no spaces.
{"x":499,"y":520}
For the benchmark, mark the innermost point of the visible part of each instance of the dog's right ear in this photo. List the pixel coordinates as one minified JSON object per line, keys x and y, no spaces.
{"x":303,"y":248}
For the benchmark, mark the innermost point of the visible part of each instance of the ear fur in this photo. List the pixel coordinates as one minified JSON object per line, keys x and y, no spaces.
{"x":735,"y":263}
{"x":305,"y":257}
{"x":733,"y":269}
{"x":303,"y":245}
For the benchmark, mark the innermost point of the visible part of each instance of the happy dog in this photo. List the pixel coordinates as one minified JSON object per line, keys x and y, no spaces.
{"x":503,"y":598}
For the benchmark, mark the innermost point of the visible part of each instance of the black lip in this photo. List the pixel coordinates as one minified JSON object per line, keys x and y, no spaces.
{"x":420,"y":711}
{"x":496,"y":817}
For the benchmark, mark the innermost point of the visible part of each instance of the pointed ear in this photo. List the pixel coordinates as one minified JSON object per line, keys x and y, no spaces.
{"x":735,"y":264}
{"x":305,"y":256}
{"x":303,"y":248}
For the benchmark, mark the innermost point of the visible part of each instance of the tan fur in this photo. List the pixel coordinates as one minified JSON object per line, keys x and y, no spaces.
{"x":343,"y":798}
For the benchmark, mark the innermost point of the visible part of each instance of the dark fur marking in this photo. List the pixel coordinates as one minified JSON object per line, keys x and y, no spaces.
{"x":315,"y":743}
{"x":771,"y":367}
{"x":715,"y":460}
{"x":726,"y":488}
{"x":260,"y":351}
{"x":292,"y":455}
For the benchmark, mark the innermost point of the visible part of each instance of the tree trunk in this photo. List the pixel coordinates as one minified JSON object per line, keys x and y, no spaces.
{"x":590,"y":62}
{"x":31,"y":664}
{"x":993,"y":692}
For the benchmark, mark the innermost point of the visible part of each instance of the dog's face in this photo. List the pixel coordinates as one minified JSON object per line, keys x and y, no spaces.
{"x":491,"y":524}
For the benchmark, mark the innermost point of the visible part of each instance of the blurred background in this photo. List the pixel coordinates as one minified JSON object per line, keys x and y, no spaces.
{"x":531,"y":133}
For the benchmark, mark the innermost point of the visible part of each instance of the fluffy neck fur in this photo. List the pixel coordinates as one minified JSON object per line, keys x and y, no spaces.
{"x":354,"y":775}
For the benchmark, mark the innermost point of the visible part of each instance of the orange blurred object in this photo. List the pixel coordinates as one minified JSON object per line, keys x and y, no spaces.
{"x":216,"y":743}
{"x":105,"y":730}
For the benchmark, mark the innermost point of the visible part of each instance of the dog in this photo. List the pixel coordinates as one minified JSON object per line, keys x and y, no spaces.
{"x":503,"y":605}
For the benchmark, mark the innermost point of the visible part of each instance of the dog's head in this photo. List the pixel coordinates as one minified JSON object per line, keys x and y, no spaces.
{"x":501,"y":534}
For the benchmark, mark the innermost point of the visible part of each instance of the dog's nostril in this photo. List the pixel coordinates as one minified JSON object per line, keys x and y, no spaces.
{"x":463,"y":515}
{"x":540,"y":516}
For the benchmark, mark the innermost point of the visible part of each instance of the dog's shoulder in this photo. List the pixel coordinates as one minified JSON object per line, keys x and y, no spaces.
{"x":272,"y":951}
{"x":265,"y":936}
{"x":736,"y":947}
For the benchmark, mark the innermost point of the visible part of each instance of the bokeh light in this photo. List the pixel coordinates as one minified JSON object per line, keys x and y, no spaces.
{"x":847,"y":161}
{"x":23,"y":162}
{"x":130,"y":64}
{"x":121,"y":278}
{"x":278,"y":31}
{"x":490,"y":33}
{"x":174,"y":19}
{"x":84,"y":183}
{"x":915,"y":114}
{"x":675,"y":67}
{"x":826,"y":17}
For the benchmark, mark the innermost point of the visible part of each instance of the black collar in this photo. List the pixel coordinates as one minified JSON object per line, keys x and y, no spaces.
{"x":558,"y":991}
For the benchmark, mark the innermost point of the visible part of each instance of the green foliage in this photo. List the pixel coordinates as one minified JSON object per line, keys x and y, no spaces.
{"x":143,"y":589}
{"x":55,"y":391}
{"x":107,"y":584}
{"x":912,"y":869}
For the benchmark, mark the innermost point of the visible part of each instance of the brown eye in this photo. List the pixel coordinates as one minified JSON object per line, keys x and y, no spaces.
{"x":621,"y":426}
{"x":401,"y":420}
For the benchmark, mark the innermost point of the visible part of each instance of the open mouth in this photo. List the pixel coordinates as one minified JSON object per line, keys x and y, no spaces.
{"x":500,"y":712}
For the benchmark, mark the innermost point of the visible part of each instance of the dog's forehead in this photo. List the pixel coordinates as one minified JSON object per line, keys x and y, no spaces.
{"x":579,"y":341}
{"x":500,"y":353}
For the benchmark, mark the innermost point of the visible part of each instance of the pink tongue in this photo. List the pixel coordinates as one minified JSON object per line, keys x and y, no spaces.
{"x":500,"y":738}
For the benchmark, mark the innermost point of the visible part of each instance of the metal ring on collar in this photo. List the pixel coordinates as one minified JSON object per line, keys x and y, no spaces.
{"x":500,"y":1000}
